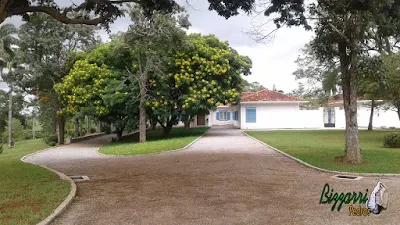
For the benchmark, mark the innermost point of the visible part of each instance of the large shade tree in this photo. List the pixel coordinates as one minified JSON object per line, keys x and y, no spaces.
{"x":152,"y":40}
{"x":200,"y":77}
{"x":98,"y":85}
{"x":340,"y":33}
{"x":47,"y":45}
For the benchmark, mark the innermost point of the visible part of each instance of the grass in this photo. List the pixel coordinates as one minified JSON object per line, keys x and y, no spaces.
{"x":319,"y":148}
{"x":177,"y":139}
{"x":28,"y":193}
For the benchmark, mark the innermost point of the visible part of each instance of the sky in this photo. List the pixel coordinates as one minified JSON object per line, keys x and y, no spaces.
{"x":273,"y":60}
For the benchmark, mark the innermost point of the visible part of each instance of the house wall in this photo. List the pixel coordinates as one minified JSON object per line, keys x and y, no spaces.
{"x":381,"y":118}
{"x":231,"y":121}
{"x":281,"y":115}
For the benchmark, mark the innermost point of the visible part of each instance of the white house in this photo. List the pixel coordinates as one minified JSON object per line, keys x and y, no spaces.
{"x":268,"y":109}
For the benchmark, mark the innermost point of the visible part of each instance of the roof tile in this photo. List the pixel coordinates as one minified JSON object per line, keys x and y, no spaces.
{"x":267,"y":96}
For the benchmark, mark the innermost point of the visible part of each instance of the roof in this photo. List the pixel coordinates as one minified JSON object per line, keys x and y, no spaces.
{"x":338,"y":99}
{"x":268,"y":96}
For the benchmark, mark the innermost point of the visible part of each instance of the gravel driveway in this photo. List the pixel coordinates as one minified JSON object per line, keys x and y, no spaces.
{"x":224,"y":178}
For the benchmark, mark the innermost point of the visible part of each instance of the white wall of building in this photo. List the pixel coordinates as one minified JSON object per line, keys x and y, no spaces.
{"x":231,"y":121}
{"x":277,"y":115}
{"x":281,"y":115}
{"x":382,"y":118}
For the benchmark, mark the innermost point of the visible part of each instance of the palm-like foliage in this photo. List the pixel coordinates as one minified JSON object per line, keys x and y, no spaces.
{"x":7,"y":40}
{"x":7,"y":59}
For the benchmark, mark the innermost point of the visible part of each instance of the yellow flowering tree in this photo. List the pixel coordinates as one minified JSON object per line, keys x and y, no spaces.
{"x":200,"y":77}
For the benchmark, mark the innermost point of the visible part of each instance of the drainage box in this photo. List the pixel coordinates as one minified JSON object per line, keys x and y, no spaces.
{"x":346,"y":177}
{"x":79,"y":177}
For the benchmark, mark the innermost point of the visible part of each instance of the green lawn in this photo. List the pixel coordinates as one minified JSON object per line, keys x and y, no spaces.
{"x":177,"y":139}
{"x":28,"y":193}
{"x":319,"y":148}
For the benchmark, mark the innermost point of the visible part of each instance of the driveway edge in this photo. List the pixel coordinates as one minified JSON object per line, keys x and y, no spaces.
{"x":67,"y":201}
{"x":321,"y":169}
{"x":174,"y":150}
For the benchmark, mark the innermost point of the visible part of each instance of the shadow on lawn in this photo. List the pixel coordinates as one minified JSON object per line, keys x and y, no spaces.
{"x":157,"y":134}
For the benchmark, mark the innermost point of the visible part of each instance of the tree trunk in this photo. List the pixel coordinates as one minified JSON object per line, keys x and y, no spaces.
{"x":10,"y":103}
{"x":167,"y":130}
{"x":187,"y":124}
{"x":87,"y":125}
{"x":398,"y":110}
{"x":33,"y":127}
{"x":142,"y":110}
{"x":119,"y":134}
{"x":349,"y":85}
{"x":54,"y":125}
{"x":98,"y":126}
{"x":61,"y":130}
{"x":80,"y":127}
{"x":371,"y":116}
{"x":76,"y":127}
{"x":153,"y":124}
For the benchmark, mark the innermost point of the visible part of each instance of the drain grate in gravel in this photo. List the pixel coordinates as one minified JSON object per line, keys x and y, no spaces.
{"x":79,"y":177}
{"x":346,"y":177}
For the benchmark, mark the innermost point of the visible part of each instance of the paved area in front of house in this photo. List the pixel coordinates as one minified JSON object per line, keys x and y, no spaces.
{"x":224,"y":178}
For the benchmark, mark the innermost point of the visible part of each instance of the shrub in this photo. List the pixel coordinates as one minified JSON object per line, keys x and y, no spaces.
{"x":52,"y":143}
{"x":391,"y":140}
{"x":92,"y":130}
{"x":51,"y":140}
{"x":17,"y":131}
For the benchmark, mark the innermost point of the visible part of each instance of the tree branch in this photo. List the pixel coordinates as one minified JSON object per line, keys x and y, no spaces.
{"x":61,"y":17}
{"x":339,"y":32}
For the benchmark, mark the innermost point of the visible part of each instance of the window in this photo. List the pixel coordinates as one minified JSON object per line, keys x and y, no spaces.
{"x":235,"y":115}
{"x":251,"y":115}
{"x":223,"y":115}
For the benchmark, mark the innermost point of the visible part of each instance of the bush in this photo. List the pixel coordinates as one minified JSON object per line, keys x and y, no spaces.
{"x":391,"y":140}
{"x":51,"y":140}
{"x":17,"y":131}
{"x":92,"y":130}
{"x":52,"y":143}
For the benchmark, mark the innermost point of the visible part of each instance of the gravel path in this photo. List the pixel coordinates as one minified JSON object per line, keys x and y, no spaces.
{"x":223,"y":178}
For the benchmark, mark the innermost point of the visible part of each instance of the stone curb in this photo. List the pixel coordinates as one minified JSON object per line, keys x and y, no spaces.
{"x":67,"y":201}
{"x":324,"y":170}
{"x":156,"y":153}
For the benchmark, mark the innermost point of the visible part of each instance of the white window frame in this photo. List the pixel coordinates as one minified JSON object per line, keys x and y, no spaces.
{"x":223,"y":118}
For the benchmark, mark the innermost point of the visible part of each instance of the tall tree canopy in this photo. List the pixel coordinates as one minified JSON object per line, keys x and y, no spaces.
{"x":94,"y":12}
{"x":199,"y":78}
{"x":46,"y":46}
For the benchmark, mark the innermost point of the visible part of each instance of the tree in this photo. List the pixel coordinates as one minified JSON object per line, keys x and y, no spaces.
{"x":200,"y":78}
{"x":152,"y":39}
{"x":9,"y":61}
{"x":253,"y":86}
{"x":17,"y":131}
{"x":317,"y":81}
{"x":341,"y":31}
{"x":371,"y":85}
{"x":94,"y":12}
{"x":98,"y":85}
{"x":392,"y":82}
{"x":47,"y":47}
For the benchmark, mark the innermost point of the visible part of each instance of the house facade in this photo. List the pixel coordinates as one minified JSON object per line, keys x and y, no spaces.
{"x":268,"y":109}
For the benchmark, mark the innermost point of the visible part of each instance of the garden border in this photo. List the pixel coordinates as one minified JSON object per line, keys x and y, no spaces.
{"x":321,"y":169}
{"x":173,"y":150}
{"x":67,"y":201}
